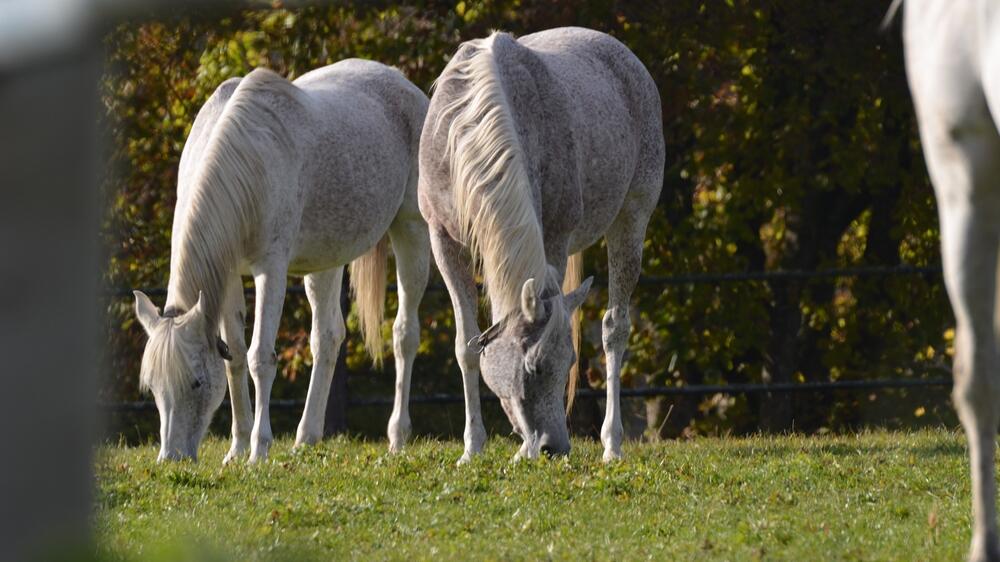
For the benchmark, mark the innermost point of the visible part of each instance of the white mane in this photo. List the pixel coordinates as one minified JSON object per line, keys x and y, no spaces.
{"x":221,"y":206}
{"x":164,"y":358}
{"x":490,"y":184}
{"x":216,"y":214}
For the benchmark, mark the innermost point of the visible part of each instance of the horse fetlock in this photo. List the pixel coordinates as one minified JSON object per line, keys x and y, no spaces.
{"x":307,"y":436}
{"x":260,"y":443}
{"x":611,"y":437}
{"x":236,"y":451}
{"x":475,"y":438}
{"x":398,"y":432}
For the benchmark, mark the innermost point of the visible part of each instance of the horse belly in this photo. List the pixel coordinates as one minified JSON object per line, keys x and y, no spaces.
{"x":609,"y":158}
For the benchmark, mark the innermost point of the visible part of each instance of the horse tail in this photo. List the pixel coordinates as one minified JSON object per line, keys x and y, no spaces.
{"x":491,"y":188}
{"x":572,"y":280}
{"x":368,"y":275}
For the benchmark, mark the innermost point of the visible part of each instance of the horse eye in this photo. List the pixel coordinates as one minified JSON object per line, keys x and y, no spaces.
{"x":196,"y":384}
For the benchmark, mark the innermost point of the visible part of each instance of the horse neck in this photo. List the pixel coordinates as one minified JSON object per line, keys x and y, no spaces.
{"x":494,"y":204}
{"x":199,"y":267}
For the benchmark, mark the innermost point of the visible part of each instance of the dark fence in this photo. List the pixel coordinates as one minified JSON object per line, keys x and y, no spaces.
{"x":652,"y":391}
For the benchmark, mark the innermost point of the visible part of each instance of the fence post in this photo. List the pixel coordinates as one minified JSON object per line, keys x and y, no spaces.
{"x":49,"y":219}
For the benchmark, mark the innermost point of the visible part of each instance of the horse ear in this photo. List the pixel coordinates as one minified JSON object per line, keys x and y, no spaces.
{"x":576,"y":297}
{"x":145,"y":311}
{"x":531,"y":305}
{"x":197,"y":303}
{"x":196,"y":310}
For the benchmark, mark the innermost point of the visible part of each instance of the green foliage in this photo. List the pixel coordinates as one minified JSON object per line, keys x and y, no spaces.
{"x":873,"y":496}
{"x":791,"y":145}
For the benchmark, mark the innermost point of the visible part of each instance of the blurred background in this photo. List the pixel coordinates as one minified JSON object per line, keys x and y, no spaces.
{"x":791,"y":147}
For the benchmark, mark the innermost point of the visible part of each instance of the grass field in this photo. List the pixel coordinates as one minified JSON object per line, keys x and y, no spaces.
{"x":873,"y":496}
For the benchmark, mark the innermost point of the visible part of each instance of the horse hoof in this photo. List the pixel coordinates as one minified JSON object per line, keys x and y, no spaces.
{"x":305,"y":440}
{"x":610,"y":455}
{"x":232,"y":456}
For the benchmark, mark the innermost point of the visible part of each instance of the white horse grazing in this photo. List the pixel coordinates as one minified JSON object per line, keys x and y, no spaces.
{"x":953,"y":65}
{"x":534,"y":149}
{"x":281,"y":178}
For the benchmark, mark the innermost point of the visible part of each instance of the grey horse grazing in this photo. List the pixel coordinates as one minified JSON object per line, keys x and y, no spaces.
{"x":281,"y":178}
{"x":534,"y":149}
{"x":953,"y":66}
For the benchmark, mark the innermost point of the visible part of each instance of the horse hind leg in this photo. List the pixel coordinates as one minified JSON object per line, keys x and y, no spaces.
{"x":624,"y":240}
{"x":411,"y":246}
{"x":328,"y":332}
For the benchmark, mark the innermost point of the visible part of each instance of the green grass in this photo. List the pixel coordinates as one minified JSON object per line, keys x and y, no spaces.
{"x":874,"y":496}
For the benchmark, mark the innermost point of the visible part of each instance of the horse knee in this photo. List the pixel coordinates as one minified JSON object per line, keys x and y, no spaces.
{"x":261,"y":361}
{"x":238,"y":351}
{"x":468,"y":359}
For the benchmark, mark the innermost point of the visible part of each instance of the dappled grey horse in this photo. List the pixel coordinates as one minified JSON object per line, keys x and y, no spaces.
{"x":281,"y":178}
{"x":953,"y":66}
{"x":533,"y":149}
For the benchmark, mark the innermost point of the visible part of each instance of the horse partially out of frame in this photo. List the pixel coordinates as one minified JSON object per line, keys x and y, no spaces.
{"x":953,"y":65}
{"x":280,"y":178}
{"x":534,"y":149}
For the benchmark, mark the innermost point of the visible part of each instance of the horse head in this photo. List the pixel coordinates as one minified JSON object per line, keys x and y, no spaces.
{"x":525,"y":359}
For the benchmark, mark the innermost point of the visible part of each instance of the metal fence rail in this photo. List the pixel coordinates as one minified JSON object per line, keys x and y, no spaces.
{"x":647,"y":392}
{"x":666,"y":280}
{"x":692,"y":390}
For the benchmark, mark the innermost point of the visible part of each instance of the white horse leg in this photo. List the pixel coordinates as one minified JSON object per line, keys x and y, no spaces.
{"x":456,"y":269}
{"x":962,"y":149}
{"x":232,"y":329}
{"x":969,"y":243}
{"x":328,"y":332}
{"x":965,"y":167}
{"x":624,"y":264}
{"x":411,"y":247}
{"x":269,"y":282}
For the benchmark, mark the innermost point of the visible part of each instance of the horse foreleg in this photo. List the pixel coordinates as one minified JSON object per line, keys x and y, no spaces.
{"x":269,"y":282}
{"x":624,"y":264}
{"x":411,"y":247}
{"x":456,"y":268}
{"x":328,"y":332}
{"x":970,"y":258}
{"x":233,"y":333}
{"x":964,"y":162}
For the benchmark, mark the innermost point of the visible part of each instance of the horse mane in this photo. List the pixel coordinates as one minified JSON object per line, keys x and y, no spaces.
{"x":215,"y":217}
{"x":222,"y":206}
{"x":164,"y":358}
{"x":491,"y":188}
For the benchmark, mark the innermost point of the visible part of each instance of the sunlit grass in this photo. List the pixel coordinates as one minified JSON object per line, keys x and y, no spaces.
{"x":872,"y":496}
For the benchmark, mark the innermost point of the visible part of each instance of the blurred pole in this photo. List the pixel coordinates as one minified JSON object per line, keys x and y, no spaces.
{"x":336,"y":406}
{"x":49,"y":300}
